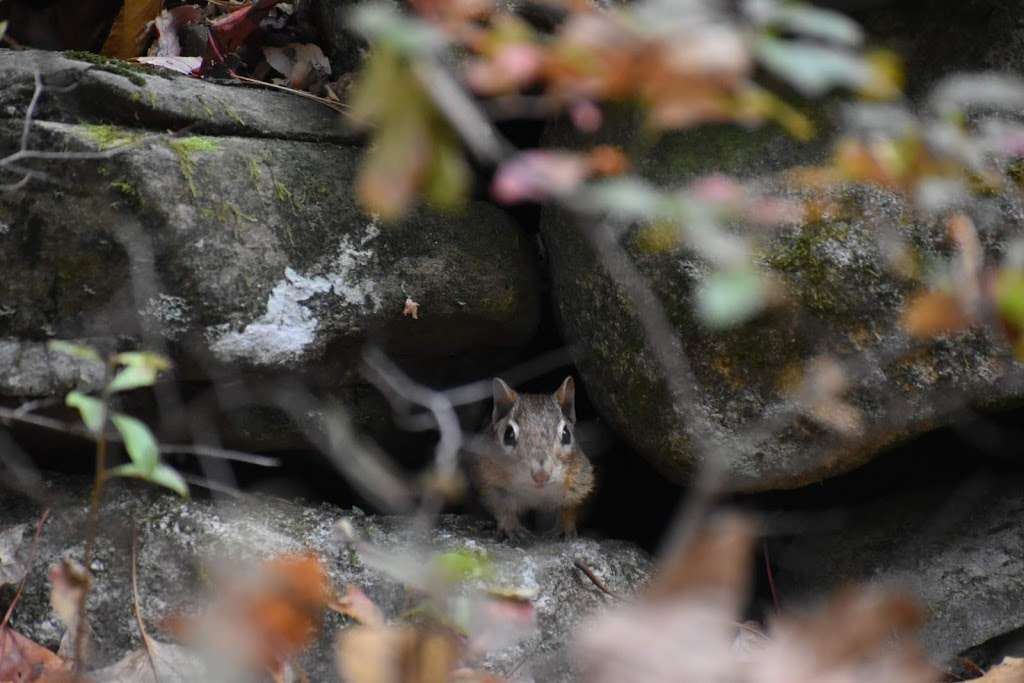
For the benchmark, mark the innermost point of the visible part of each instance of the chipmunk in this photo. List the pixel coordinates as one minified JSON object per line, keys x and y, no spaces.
{"x":528,"y":459}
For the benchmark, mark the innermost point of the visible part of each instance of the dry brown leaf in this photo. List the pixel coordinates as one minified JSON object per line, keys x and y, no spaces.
{"x":68,"y":581}
{"x":22,"y":659}
{"x":862,"y":636}
{"x":299,"y":63}
{"x":265,"y":617}
{"x":932,"y":313}
{"x":395,"y":654}
{"x":412,"y":308}
{"x":1010,"y":670}
{"x":125,"y":39}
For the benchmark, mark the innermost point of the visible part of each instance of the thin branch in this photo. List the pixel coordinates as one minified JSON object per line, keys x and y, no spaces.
{"x":595,"y":579}
{"x":339,"y":107}
{"x":135,"y":603}
{"x":8,"y":415}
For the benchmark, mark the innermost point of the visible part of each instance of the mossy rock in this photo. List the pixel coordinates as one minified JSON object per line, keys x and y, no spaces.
{"x":842,"y":300}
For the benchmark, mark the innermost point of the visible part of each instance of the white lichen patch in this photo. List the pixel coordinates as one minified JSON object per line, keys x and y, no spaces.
{"x":288,"y":326}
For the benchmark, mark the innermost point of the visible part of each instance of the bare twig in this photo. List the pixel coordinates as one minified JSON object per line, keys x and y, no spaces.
{"x":330,"y":104}
{"x":402,"y":393}
{"x":135,"y":603}
{"x":21,"y":415}
{"x":595,"y":579}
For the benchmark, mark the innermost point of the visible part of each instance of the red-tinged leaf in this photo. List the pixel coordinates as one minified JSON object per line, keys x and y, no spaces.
{"x":230,"y":32}
{"x":512,"y":67}
{"x":539,"y":175}
{"x":125,"y":38}
{"x":357,"y":605}
{"x":22,"y":659}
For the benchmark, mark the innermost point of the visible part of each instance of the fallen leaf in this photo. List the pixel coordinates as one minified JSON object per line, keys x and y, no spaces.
{"x":1010,"y":670}
{"x":173,"y":664}
{"x":22,"y":659}
{"x":125,"y":39}
{"x":183,"y":65}
{"x":300,"y":63}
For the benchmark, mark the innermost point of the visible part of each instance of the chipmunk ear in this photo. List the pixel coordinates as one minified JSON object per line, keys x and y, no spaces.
{"x":504,"y":399}
{"x":566,"y":397}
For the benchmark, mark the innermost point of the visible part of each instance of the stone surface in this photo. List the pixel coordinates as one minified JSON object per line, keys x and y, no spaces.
{"x":180,"y":540}
{"x":958,"y":547}
{"x":844,"y":301}
{"x":237,"y":247}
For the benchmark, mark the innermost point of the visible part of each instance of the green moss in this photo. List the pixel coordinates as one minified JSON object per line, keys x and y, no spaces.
{"x":284,"y":195}
{"x":107,"y":136}
{"x":232,"y":114}
{"x":108,"y":64}
{"x":186,"y":149}
{"x":803,"y":259}
{"x":254,"y":171}
{"x":127,"y":190}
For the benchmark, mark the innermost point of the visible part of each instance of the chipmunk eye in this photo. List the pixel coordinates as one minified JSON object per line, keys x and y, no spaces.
{"x":566,"y":435}
{"x":510,"y":436}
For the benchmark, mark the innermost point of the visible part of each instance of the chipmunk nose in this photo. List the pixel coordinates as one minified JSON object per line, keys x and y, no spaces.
{"x":540,"y":477}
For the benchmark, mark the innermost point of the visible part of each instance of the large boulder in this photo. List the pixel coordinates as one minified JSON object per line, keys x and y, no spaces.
{"x":237,"y":243}
{"x":179,"y":541}
{"x":844,"y":301}
{"x":957,"y":546}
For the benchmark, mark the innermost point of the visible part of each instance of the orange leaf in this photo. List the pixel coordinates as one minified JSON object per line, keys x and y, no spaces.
{"x":22,"y":659}
{"x":933,"y":313}
{"x":124,"y":41}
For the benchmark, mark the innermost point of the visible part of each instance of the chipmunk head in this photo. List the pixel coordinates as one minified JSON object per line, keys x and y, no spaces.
{"x":537,"y":429}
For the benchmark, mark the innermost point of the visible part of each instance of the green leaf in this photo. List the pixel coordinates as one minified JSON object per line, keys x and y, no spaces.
{"x":138,"y":441}
{"x":462,"y":565}
{"x":626,"y":198}
{"x":146,"y":359}
{"x":90,"y":408}
{"x":1010,"y":296}
{"x":728,"y":298}
{"x":79,"y":351}
{"x":161,"y":475}
{"x":132,"y":377}
{"x":449,"y":176}
{"x":383,"y":22}
{"x":812,"y":69}
{"x":808,"y":20}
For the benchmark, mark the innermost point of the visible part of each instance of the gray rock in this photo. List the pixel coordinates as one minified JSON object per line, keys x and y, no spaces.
{"x":179,"y":540}
{"x":242,"y":251}
{"x":87,"y":87}
{"x":845,"y":302}
{"x":959,"y":548}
